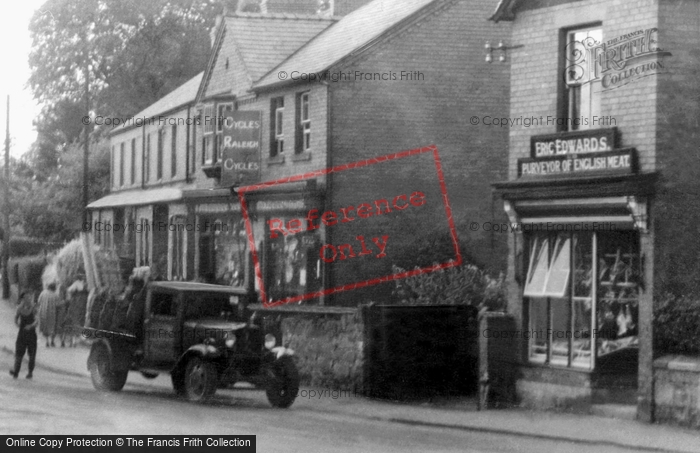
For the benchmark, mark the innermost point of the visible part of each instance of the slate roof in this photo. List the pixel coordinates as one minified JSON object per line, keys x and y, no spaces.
{"x":260,"y":42}
{"x":504,"y":10}
{"x":266,"y":40}
{"x":179,"y":97}
{"x":350,"y":34}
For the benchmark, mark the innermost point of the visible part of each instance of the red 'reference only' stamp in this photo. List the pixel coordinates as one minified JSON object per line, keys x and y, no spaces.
{"x":350,"y":215}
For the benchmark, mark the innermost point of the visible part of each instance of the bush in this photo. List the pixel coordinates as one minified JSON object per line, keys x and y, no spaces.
{"x":677,"y":325}
{"x":462,"y":285}
{"x":22,"y":246}
{"x":26,"y":271}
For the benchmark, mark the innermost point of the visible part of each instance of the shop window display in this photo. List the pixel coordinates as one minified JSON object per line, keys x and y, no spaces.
{"x":567,"y":309}
{"x":292,"y":265}
{"x":223,"y":248}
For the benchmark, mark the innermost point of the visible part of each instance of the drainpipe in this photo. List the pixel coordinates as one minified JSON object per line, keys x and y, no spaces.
{"x":187,"y":146}
{"x":328,"y":196}
{"x":143,"y":156}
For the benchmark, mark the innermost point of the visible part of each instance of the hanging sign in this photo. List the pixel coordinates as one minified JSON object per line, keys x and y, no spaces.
{"x":240,"y":148}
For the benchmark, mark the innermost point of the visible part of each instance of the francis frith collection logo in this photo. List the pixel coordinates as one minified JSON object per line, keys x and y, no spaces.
{"x":615,"y":62}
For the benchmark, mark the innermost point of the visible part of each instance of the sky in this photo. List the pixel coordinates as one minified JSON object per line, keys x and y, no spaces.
{"x":14,"y":55}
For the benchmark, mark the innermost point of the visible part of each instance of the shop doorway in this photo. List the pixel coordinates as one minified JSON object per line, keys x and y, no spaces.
{"x":207,"y":257}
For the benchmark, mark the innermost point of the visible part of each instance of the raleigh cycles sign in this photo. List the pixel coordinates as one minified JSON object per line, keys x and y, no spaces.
{"x":616,"y":62}
{"x":240,"y":148}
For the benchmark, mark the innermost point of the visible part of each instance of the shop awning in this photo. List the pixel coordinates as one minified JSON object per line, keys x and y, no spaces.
{"x":138,"y":197}
{"x":612,"y":200}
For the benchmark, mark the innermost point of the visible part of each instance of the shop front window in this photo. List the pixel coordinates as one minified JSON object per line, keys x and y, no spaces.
{"x":143,"y":242}
{"x":179,"y":234}
{"x":572,"y":301}
{"x":292,"y":265}
{"x":232,"y":246}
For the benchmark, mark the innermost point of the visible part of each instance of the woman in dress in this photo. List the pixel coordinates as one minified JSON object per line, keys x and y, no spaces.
{"x":77,"y":296}
{"x":26,"y":319}
{"x":48,"y":303}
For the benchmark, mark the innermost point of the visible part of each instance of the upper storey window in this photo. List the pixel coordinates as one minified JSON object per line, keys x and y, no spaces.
{"x":582,"y":93}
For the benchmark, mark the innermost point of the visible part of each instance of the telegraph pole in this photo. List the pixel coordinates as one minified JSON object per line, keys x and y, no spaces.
{"x":86,"y":147}
{"x":6,"y":205}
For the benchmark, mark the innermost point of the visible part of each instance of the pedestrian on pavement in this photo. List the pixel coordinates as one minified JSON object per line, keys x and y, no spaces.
{"x":62,"y":315}
{"x":48,"y":302}
{"x":77,"y":296}
{"x":26,"y":318}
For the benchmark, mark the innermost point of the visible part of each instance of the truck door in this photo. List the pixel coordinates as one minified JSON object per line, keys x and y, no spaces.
{"x":161,"y":329}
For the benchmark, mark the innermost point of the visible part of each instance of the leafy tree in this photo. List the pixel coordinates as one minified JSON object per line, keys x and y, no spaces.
{"x":108,"y":57}
{"x":47,"y":207}
{"x":117,"y":45}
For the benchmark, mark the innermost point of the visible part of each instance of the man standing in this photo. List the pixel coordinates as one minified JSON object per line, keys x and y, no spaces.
{"x":27,"y":320}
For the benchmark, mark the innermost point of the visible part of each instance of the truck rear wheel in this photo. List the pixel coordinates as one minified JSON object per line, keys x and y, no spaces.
{"x":104,"y":378}
{"x":200,"y":379}
{"x":283,"y":385}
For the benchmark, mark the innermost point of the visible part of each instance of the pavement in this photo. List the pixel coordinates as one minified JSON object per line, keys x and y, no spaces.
{"x":446,"y":414}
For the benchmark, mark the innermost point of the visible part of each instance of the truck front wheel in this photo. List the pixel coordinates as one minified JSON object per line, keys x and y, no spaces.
{"x":104,"y":378}
{"x":283,"y":383}
{"x":200,"y":379}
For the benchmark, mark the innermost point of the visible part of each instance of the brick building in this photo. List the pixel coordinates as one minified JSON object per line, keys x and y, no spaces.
{"x":157,"y":182}
{"x":390,"y":76}
{"x":152,"y":164}
{"x":387,"y":77}
{"x":601,"y":187}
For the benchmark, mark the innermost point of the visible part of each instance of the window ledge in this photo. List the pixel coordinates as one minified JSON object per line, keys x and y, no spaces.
{"x":306,"y":155}
{"x":212,"y":170}
{"x":275,"y":160}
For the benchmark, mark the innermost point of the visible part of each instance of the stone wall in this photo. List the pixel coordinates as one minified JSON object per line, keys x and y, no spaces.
{"x":676,"y":390}
{"x":328,"y":344}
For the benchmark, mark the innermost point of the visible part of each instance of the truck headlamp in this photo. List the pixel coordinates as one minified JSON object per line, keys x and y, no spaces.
{"x":230,"y":340}
{"x":270,"y":341}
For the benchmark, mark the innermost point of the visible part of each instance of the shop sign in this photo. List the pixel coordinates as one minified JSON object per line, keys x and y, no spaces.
{"x":577,"y":142}
{"x":621,"y":161}
{"x":240,"y":148}
{"x":217,"y":208}
{"x":279,"y":205}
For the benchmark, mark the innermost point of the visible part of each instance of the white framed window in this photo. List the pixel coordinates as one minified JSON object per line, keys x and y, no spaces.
{"x":121,"y":164}
{"x":582,"y":82}
{"x":221,"y":110}
{"x":277,"y":127}
{"x":305,"y":122}
{"x":208,"y":119}
{"x":159,"y":157}
{"x":147,"y":159}
{"x":208,"y":149}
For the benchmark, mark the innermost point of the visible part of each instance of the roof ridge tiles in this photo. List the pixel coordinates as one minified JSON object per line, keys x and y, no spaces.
{"x":290,"y":16}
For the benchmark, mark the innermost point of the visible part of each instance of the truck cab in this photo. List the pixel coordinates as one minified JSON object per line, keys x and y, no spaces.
{"x":205,"y":337}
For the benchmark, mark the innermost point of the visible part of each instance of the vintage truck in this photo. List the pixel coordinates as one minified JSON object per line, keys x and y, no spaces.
{"x":204,"y":336}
